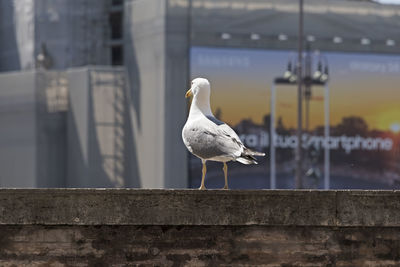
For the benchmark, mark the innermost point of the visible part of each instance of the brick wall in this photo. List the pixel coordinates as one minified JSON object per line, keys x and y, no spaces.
{"x":192,"y":228}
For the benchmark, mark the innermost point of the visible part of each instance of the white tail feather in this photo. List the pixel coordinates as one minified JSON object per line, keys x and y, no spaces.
{"x":246,"y":161}
{"x":248,"y":151}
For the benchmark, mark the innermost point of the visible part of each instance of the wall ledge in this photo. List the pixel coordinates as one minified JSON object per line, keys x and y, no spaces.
{"x":346,"y":208}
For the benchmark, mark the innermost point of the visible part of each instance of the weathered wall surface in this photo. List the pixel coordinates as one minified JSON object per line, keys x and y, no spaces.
{"x":119,"y":227}
{"x":198,"y":246}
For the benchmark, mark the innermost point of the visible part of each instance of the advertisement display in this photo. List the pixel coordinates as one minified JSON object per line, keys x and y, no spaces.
{"x":364,"y":120}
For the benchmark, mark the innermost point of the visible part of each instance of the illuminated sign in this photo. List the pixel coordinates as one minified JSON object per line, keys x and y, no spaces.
{"x":364,"y":137}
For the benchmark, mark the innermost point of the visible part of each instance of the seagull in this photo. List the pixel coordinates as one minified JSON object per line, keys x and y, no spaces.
{"x":209,"y":138}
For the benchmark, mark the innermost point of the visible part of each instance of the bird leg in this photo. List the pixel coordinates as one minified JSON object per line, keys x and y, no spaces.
{"x":204,"y":170}
{"x":225,"y":168}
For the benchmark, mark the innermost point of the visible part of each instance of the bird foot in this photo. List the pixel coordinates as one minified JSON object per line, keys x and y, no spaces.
{"x":202,"y":187}
{"x":225,"y":187}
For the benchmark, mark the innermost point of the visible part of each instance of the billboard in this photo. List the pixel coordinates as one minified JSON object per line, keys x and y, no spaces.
{"x":364,"y":124}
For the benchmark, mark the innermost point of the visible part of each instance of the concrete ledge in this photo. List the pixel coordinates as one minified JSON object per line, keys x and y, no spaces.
{"x":193,"y":207}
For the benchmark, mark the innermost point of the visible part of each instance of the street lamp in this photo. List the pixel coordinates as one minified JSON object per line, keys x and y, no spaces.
{"x":318,"y":78}
{"x":289,"y":78}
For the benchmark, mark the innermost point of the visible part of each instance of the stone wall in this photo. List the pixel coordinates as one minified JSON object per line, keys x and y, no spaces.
{"x":119,"y":227}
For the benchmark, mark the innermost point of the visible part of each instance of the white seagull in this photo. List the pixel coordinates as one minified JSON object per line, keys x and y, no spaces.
{"x":211,"y":139}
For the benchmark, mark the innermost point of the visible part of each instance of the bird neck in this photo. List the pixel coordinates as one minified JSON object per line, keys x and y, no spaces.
{"x":200,"y":104}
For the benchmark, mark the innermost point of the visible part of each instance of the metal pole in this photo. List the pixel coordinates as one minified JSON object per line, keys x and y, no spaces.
{"x":326,"y":132}
{"x":272,"y":138}
{"x":307,"y":85}
{"x":307,"y":113}
{"x":298,"y":158}
{"x":189,"y":47}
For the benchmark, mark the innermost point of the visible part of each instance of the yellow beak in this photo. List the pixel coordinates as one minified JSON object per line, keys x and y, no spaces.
{"x":189,"y":93}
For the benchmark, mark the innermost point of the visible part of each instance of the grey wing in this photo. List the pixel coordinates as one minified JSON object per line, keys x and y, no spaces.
{"x":230,"y":137}
{"x":230,"y":140}
{"x":222,"y":126}
{"x":245,"y":152}
{"x":208,"y":140}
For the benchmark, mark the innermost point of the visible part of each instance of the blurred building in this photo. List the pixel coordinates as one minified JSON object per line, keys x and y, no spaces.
{"x":92,"y":92}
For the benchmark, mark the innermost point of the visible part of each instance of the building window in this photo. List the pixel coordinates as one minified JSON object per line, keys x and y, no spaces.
{"x":116,"y":25}
{"x":117,"y":53}
{"x":116,"y":17}
{"x":117,"y":2}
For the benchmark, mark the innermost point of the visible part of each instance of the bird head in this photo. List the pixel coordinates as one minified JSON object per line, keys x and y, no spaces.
{"x":200,"y":86}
